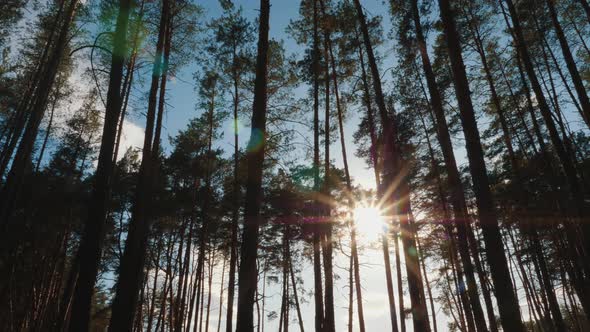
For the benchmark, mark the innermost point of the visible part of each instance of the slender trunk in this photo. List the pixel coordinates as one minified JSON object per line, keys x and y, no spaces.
{"x":20,"y":164}
{"x":47,"y":131}
{"x":392,"y":175}
{"x":220,"y":295}
{"x":154,"y":287}
{"x":400,"y":290}
{"x":507,"y":301}
{"x":350,"y":294}
{"x":90,"y":244}
{"x":457,"y":195}
{"x":317,"y":264}
{"x":285,"y":306}
{"x":133,"y":260}
{"x":247,"y":278}
{"x":236,"y":206}
{"x":209,"y":283}
{"x":353,"y":242}
{"x":569,"y":61}
{"x":127,"y":83}
{"x":329,"y":319}
{"x":427,"y":283}
{"x":566,"y":163}
{"x":294,"y":283}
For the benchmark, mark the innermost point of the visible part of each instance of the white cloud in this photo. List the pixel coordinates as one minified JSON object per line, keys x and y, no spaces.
{"x":132,"y":137}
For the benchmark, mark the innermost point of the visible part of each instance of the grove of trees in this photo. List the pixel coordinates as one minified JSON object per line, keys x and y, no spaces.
{"x":187,"y":165}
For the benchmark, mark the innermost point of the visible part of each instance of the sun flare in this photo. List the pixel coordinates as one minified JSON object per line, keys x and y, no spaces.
{"x":369,"y":222}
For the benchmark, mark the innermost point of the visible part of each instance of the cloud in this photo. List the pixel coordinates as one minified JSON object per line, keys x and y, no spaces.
{"x":132,"y":137}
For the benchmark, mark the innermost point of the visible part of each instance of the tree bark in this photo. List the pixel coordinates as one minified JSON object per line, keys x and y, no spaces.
{"x":566,"y":163}
{"x":353,"y":243}
{"x":395,"y":192}
{"x":507,"y":301}
{"x":317,"y":264}
{"x":90,"y":244}
{"x":456,"y":190}
{"x":133,"y":260}
{"x":20,"y":164}
{"x":47,"y":131}
{"x":327,"y":247}
{"x":570,"y":62}
{"x":247,"y":278}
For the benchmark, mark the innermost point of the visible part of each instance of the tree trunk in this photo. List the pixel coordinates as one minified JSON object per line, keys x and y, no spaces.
{"x":353,"y":242}
{"x":456,"y":190}
{"x":294,"y":283}
{"x":236,"y":206}
{"x":570,"y":62}
{"x":507,"y":301}
{"x":90,"y":244}
{"x":47,"y":131}
{"x":392,"y":164}
{"x":133,"y":260}
{"x":566,"y":162}
{"x":20,"y":165}
{"x":317,"y":264}
{"x":127,"y":83}
{"x":428,"y":289}
{"x":329,"y":319}
{"x":154,"y":287}
{"x":220,"y":294}
{"x":247,"y":278}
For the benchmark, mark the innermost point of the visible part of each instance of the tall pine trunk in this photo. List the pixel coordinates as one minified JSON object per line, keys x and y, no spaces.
{"x":456,"y":190}
{"x":562,"y":154}
{"x":507,"y":301}
{"x":90,"y":244}
{"x":570,"y":63}
{"x":20,"y":164}
{"x":327,"y":245}
{"x":247,"y":274}
{"x":354,"y":250}
{"x":317,"y":263}
{"x":133,"y":260}
{"x":396,"y":191}
{"x":233,"y":260}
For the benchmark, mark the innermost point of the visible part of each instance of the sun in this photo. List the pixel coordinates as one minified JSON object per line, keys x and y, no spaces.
{"x":369,"y":223}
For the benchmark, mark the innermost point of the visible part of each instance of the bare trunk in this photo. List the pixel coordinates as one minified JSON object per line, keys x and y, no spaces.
{"x":90,"y":244}
{"x":570,"y":62}
{"x":133,"y":260}
{"x":247,"y":277}
{"x":457,"y":195}
{"x":507,"y":301}
{"x":20,"y":164}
